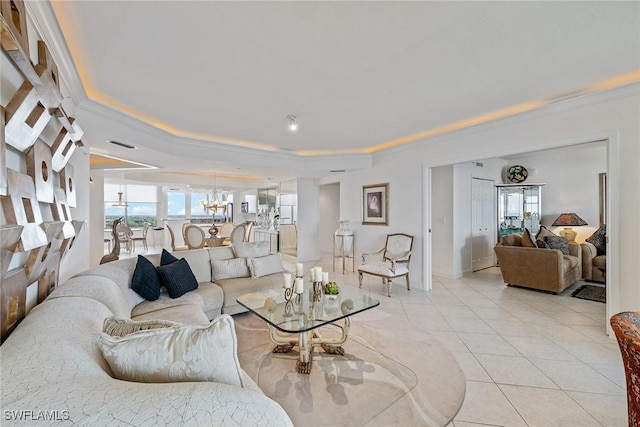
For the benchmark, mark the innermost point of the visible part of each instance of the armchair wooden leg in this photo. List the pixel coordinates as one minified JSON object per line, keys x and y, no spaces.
{"x":389,"y":288}
{"x":408,"y":287}
{"x":360,"y":279}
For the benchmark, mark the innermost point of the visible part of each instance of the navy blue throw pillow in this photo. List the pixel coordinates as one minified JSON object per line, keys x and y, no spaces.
{"x":178,"y":278}
{"x":146,"y":281}
{"x":166,"y":258}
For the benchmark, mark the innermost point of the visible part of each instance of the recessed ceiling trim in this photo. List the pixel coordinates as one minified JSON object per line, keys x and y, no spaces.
{"x":122,"y":144}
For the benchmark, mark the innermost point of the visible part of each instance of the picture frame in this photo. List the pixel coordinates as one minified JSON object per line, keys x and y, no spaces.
{"x":375,"y":204}
{"x":244,"y":207}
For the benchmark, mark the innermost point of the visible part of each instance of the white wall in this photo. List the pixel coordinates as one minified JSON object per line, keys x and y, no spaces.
{"x":611,"y":115}
{"x":442,"y":221}
{"x":308,"y":220}
{"x":329,"y":215}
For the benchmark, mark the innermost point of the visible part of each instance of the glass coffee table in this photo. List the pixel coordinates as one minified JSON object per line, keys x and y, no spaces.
{"x":303,"y":316}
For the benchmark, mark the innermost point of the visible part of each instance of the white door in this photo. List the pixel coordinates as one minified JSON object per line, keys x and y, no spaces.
{"x":483,"y":221}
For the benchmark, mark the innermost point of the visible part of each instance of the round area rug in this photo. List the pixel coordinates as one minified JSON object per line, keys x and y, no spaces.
{"x":386,"y":377}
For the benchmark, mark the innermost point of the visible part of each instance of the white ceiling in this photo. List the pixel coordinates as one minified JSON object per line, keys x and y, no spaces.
{"x":216,"y":80}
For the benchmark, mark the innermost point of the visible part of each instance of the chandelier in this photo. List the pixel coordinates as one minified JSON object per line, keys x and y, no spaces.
{"x":218,"y":200}
{"x":121,"y":203}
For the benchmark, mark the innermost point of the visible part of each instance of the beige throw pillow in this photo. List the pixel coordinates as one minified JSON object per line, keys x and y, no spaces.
{"x":265,"y":265}
{"x":229,"y":268}
{"x":117,"y":327}
{"x":526,"y":240}
{"x":176,"y":354}
{"x":251,"y":249}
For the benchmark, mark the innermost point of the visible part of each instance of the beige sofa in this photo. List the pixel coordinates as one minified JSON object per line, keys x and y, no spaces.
{"x":594,"y":266}
{"x":543,"y":269}
{"x":52,"y":369}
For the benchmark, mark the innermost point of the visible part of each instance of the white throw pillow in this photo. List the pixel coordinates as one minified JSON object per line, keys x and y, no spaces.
{"x":251,"y":249}
{"x":265,"y":265}
{"x":229,"y":268}
{"x":117,"y":327}
{"x":176,"y":354}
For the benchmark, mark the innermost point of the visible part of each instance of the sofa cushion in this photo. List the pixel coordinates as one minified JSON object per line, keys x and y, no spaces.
{"x":600,"y":262}
{"x":542,"y":244}
{"x":526,"y":239}
{"x":99,"y":288}
{"x":229,"y":269}
{"x":166,"y":258}
{"x":165,"y":301}
{"x":199,"y":262}
{"x":599,"y":239}
{"x":181,"y":353}
{"x":251,"y":249}
{"x":146,"y":281}
{"x":558,"y":242}
{"x":187,"y":314}
{"x":511,"y":240}
{"x":221,"y":252}
{"x":570,"y":262}
{"x":212,"y":298}
{"x":178,"y":278}
{"x":266,"y":265}
{"x":544,"y":232}
{"x":234,"y":288}
{"x":118,"y":327}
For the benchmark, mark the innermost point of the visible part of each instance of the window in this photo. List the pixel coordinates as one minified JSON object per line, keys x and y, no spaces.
{"x":141,"y":205}
{"x":199,"y":202}
{"x":176,"y":204}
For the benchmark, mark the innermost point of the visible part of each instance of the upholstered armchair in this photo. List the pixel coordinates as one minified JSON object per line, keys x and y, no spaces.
{"x":393,"y":261}
{"x":626,"y":326}
{"x":594,"y":258}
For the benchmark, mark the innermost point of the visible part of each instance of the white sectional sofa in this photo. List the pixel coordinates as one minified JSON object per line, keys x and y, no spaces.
{"x":51,"y":368}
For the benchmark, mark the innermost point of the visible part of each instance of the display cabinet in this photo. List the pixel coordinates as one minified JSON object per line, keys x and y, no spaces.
{"x":519,"y":207}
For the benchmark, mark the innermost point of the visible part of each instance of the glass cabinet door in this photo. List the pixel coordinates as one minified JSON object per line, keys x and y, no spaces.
{"x":519,"y":207}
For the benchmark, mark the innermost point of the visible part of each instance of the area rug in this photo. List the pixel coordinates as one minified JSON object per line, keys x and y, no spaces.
{"x":591,"y":292}
{"x":384,"y":378}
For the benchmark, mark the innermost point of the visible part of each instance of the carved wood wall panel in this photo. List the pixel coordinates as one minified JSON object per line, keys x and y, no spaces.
{"x":39,"y":168}
{"x":21,"y":207}
{"x":13,"y":301}
{"x":22,"y":122}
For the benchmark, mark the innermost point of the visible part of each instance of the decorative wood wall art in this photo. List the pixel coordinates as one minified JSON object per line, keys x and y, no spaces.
{"x":62,"y":149}
{"x":45,"y":60}
{"x":9,"y":238}
{"x":39,"y":168}
{"x":21,"y":207}
{"x":3,"y":156}
{"x":13,"y":301}
{"x":60,"y":212}
{"x":38,"y":259}
{"x":67,"y":244}
{"x":67,"y":181}
{"x":48,"y":281}
{"x":26,"y":117}
{"x":14,"y":36}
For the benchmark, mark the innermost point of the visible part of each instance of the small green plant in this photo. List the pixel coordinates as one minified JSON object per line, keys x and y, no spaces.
{"x":331,"y":288}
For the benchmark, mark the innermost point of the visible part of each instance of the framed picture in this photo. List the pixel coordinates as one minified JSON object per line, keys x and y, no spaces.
{"x":244,"y":207}
{"x":375,"y":204}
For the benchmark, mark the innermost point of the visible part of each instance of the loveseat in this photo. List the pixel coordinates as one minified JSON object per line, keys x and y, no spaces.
{"x":538,"y":268}
{"x":52,"y":368}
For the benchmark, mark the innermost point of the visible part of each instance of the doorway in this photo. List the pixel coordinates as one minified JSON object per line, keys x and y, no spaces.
{"x":483,"y":223}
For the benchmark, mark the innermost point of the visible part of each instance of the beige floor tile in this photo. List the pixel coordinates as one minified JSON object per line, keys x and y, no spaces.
{"x":456,"y":311}
{"x":541,"y":407}
{"x":484,"y":403}
{"x":450,"y":340}
{"x":613,"y":372}
{"x":537,"y":347}
{"x":577,"y":376}
{"x":514,"y":371}
{"x":461,"y":324}
{"x":610,"y":411}
{"x":493,"y":313}
{"x":488,"y":344}
{"x":512,"y":328}
{"x":473,"y":371}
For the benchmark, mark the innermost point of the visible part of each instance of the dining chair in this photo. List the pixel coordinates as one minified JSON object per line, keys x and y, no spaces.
{"x":396,"y":256}
{"x":238,"y":233}
{"x":143,"y":238}
{"x":173,"y":241}
{"x":247,"y":233}
{"x":124,"y":237}
{"x":194,"y":237}
{"x":225,"y":231}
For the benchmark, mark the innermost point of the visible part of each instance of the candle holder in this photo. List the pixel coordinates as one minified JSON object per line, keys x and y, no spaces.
{"x":288,"y":308}
{"x":298,"y":299}
{"x":288,"y":293}
{"x":317,"y":291}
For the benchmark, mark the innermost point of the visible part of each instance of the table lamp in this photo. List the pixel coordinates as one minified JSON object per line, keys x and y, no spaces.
{"x":568,"y":220}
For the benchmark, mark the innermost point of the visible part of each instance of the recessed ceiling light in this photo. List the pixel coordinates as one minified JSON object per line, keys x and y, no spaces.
{"x":293,"y":125}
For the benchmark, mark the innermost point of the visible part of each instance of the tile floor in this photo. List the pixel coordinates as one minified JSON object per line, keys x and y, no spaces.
{"x":530,"y":358}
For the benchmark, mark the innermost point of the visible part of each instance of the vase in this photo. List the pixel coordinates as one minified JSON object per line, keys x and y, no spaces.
{"x":346,"y":241}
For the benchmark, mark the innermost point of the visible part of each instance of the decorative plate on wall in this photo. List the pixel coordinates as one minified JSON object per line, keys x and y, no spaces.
{"x":517,"y":174}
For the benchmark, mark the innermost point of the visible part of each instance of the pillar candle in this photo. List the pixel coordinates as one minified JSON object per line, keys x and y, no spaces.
{"x":298,"y":287}
{"x":318,"y":274}
{"x":287,"y":280}
{"x":299,"y":269}
{"x":312,"y":272}
{"x":325,"y":277}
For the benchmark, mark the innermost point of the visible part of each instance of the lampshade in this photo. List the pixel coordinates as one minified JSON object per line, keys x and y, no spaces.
{"x":568,"y":219}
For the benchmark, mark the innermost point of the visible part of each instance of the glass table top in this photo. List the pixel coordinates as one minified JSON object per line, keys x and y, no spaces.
{"x":306,"y":314}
